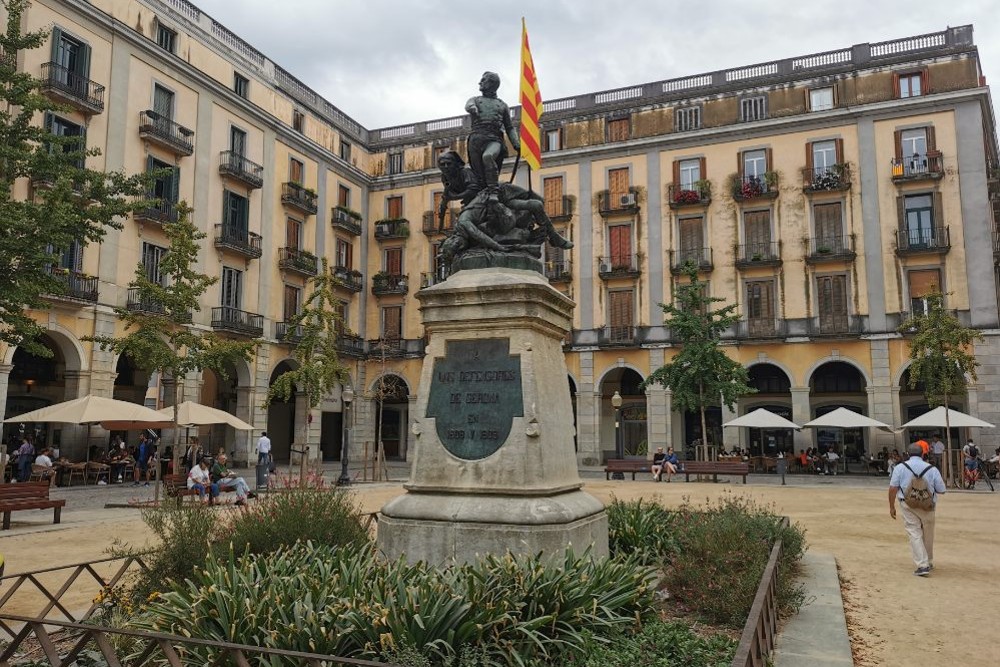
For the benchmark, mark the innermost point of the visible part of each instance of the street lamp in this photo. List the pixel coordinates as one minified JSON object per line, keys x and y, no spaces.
{"x":616,"y":403}
{"x":346,"y":396}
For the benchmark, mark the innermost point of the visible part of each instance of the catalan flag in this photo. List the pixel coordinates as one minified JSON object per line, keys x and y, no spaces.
{"x":531,"y":106}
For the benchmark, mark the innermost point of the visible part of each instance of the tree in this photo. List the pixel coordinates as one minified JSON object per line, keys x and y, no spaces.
{"x":317,"y":326}
{"x":940,"y":358}
{"x":69,"y":203}
{"x":158,"y":334}
{"x":701,"y":374}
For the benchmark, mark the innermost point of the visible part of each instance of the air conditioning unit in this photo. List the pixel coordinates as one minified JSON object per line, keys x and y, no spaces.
{"x":628,"y":199}
{"x":605,"y":267}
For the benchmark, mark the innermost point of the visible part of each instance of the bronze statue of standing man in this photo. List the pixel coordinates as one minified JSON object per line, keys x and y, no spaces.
{"x":490,"y":119}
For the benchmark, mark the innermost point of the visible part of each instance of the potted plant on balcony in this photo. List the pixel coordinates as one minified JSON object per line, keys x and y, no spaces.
{"x":771,"y":179}
{"x":380,"y":280}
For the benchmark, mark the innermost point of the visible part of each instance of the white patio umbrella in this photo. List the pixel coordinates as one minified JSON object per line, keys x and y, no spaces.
{"x":844,"y":418}
{"x":91,"y":410}
{"x":761,"y":418}
{"x":190,"y":413}
{"x":952,"y":418}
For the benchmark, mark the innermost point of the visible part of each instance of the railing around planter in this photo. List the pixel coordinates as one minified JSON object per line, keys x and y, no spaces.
{"x":614,"y":202}
{"x":831,"y":247}
{"x":764,"y":253}
{"x":349,"y":278}
{"x":76,"y":286}
{"x":700,"y":257}
{"x":236,"y":165}
{"x":398,"y":228}
{"x":917,"y":167}
{"x":561,"y":271}
{"x":298,"y":196}
{"x":346,"y":219}
{"x":234,"y":320}
{"x":559,"y":209}
{"x":678,"y":196}
{"x":75,"y":88}
{"x":822,"y":179}
{"x":287,"y":332}
{"x":618,"y":266}
{"x":757,"y":639}
{"x":431,"y":221}
{"x":296,"y":259}
{"x":389,"y":283}
{"x":755,"y":187}
{"x":165,"y":132}
{"x":927,"y":239}
{"x":238,"y":239}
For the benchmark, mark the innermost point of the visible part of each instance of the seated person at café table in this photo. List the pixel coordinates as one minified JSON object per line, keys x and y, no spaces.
{"x":44,"y":466}
{"x":200,"y":480}
{"x":832,"y":461}
{"x":226,"y":479}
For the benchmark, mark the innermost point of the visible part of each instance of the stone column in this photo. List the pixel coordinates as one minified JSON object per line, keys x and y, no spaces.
{"x":74,"y":441}
{"x":587,"y":414}
{"x":657,"y":419}
{"x":730,"y":436}
{"x":987,"y":403}
{"x":407,"y":434}
{"x":245,"y":440}
{"x":5,"y":370}
{"x":800,"y":415}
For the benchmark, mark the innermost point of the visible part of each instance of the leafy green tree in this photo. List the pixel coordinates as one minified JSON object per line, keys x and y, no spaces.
{"x":68,"y":203}
{"x":941,"y":357}
{"x":158,"y":334}
{"x":317,"y":326}
{"x":701,"y":374}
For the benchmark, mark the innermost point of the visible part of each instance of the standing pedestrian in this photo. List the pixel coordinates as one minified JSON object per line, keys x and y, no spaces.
{"x":917,"y":484}
{"x":264,"y":449}
{"x":937,"y":450}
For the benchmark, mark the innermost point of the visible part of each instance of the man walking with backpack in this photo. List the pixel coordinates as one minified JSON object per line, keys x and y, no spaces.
{"x":917,"y":484}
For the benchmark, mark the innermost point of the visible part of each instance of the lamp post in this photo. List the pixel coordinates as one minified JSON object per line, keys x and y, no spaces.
{"x":346,"y":396}
{"x":616,"y":403}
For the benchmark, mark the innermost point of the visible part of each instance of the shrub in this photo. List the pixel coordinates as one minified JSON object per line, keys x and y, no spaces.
{"x":641,"y":529}
{"x":663,"y":644}
{"x":347,"y":602}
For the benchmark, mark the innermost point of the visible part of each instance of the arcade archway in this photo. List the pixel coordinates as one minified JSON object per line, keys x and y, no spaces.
{"x":391,"y":405}
{"x":838,"y":384}
{"x":632,"y":414}
{"x":281,"y":417}
{"x":774,"y":393}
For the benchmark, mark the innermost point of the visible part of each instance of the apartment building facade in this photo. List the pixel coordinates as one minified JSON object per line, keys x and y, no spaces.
{"x":825,"y":195}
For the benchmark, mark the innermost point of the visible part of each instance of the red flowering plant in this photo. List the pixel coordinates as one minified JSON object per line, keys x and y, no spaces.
{"x":687,"y":197}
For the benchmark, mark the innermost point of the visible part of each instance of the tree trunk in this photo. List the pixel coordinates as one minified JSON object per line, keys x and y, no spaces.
{"x":176,"y":445}
{"x":948,"y":474}
{"x":701,"y":404}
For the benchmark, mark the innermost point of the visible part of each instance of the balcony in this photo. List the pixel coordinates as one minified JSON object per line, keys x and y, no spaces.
{"x":299,"y":197}
{"x":346,"y":220}
{"x":560,"y":209}
{"x":395,"y":228}
{"x":830,"y":249}
{"x":235,"y":321}
{"x":165,"y":133}
{"x":298,"y":261}
{"x":384,"y":284}
{"x":700,"y":257}
{"x":761,"y":327}
{"x":431,"y":278}
{"x":349,"y":279}
{"x":618,"y":203}
{"x":135,"y":303}
{"x":72,"y":89}
{"x":927,"y":240}
{"x":158,"y":213}
{"x":839,"y":324}
{"x":76,"y":287}
{"x":618,"y":336}
{"x":621,"y":266}
{"x":239,"y":168}
{"x":350,"y":345}
{"x":679,"y":197}
{"x":751,"y":255}
{"x":826,"y":179}
{"x":749,"y":188}
{"x":917,"y":168}
{"x":287,"y":332}
{"x":430,"y":226}
{"x":237,"y":239}
{"x":559,"y":272}
{"x":396,"y":348}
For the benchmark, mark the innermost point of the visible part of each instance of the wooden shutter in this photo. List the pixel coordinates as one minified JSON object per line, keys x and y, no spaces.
{"x":552,"y":188}
{"x":617,"y":184}
{"x":437,"y":197}
{"x":832,"y":295}
{"x":809,"y":160}
{"x":740,"y":164}
{"x":702,"y":168}
{"x":757,"y":227}
{"x":291,"y":302}
{"x":618,"y":130}
{"x":392,"y":322}
{"x":768,"y":160}
{"x":394,"y":208}
{"x":677,"y":175}
{"x":759,"y":300}
{"x":828,"y":221}
{"x":924,"y":282}
{"x":938,"y":215}
{"x":175,"y":190}
{"x":83,"y":61}
{"x":394,"y":261}
{"x":838,"y":145}
{"x":554,"y":255}
{"x":690,"y":235}
{"x":901,"y":213}
{"x":895,"y":85}
{"x":293,"y":234}
{"x":620,"y":307}
{"x":897,"y":138}
{"x":343,"y":196}
{"x":620,"y":245}
{"x":931,"y":138}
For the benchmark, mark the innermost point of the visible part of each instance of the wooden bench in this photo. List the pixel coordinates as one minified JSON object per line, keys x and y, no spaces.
{"x":175,"y":486}
{"x":27,"y":496}
{"x":715,"y":468}
{"x":625,"y":465}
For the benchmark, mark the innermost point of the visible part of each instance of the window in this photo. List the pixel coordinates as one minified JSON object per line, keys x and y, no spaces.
{"x":345,"y":255}
{"x":821,"y":99}
{"x":824,"y":155}
{"x":687,"y":118}
{"x":71,"y":58}
{"x":232,"y":288}
{"x":620,"y":246}
{"x":61,"y":127}
{"x":553,"y":140}
{"x":438,"y":263}
{"x":689,"y":173}
{"x":71,"y":258}
{"x":394,"y":207}
{"x":910,"y":84}
{"x":166,"y":184}
{"x":828,"y":219}
{"x":619,"y":129}
{"x":754,"y":163}
{"x":690,"y":240}
{"x":618,"y":185}
{"x":293,"y":234}
{"x":235,"y":213}
{"x":343,"y":196}
{"x":296,"y":170}
{"x":290,"y":302}
{"x":151,"y":256}
{"x":753,"y":108}
{"x":392,"y":259}
{"x":392,"y":322}
{"x":395,"y":163}
{"x":757,"y":235}
{"x":241,"y":85}
{"x":918,"y":221}
{"x":552,"y":187}
{"x":298,"y":120}
{"x":166,"y":38}
{"x":345,"y":150}
{"x":621,"y":315}
{"x":831,"y":297}
{"x":922,"y":283}
{"x":340,"y":310}
{"x":913,"y":142}
{"x":760,"y":302}
{"x":163,"y":102}
{"x":237,"y":141}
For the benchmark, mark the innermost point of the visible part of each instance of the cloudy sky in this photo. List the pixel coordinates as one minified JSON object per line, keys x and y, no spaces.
{"x":390,"y":62}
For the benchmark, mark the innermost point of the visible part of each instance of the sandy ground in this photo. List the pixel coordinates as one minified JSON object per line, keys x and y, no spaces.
{"x":895,"y":618}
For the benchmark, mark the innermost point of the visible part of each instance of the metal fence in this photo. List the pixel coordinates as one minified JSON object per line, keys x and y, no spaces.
{"x":761,"y":627}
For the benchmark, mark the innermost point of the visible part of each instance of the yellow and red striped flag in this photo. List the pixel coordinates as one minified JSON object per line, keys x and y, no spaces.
{"x":531,"y":106}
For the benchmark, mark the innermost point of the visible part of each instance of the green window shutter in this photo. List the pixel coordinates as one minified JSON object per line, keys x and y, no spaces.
{"x":56,"y":43}
{"x":244,"y":213}
{"x":83,"y":62}
{"x":81,"y":145}
{"x":175,"y":185}
{"x":226,"y":217}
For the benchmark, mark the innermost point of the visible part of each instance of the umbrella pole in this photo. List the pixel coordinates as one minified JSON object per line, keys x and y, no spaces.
{"x":947,"y":434}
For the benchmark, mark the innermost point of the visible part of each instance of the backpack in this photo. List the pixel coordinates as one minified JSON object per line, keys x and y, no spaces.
{"x":973,"y":451}
{"x":918,"y":494}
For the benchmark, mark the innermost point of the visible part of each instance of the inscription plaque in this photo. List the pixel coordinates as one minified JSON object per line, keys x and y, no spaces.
{"x":475,"y":395}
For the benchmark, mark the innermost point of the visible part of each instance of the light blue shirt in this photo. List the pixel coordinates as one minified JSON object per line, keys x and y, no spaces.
{"x":901,"y":477}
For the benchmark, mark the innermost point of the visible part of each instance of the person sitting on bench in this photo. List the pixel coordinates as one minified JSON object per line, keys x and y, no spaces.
{"x":226,"y":479}
{"x":657,"y":467}
{"x":199,"y":480}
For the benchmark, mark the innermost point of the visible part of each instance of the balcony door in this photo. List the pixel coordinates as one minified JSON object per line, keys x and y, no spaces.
{"x":235,"y":215}
{"x":291,"y":302}
{"x":394,"y":261}
{"x":232,"y":288}
{"x":553,"y":189}
{"x":151,"y":257}
{"x":237,"y":142}
{"x":760,"y":307}
{"x":922,"y":283}
{"x":72,"y":60}
{"x":757,"y":233}
{"x":621,"y":316}
{"x":829,"y":226}
{"x":691,"y":240}
{"x":392,"y":322}
{"x":832,"y":301}
{"x":919,"y":221}
{"x":163,"y":103}
{"x":618,"y":184}
{"x":620,"y":246}
{"x":293,"y":234}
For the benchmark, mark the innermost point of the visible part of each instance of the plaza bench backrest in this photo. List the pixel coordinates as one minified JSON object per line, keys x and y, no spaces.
{"x":24,"y":491}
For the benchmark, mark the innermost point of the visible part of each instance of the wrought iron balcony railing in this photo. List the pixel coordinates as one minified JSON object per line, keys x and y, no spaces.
{"x":823,"y":248}
{"x":766,"y":253}
{"x":764,"y":186}
{"x":430,"y":226}
{"x":298,"y":260}
{"x":349,"y":278}
{"x":159,"y":212}
{"x":76,"y":286}
{"x":836,"y":324}
{"x":699,"y":194}
{"x":395,"y":228}
{"x":700,"y":257}
{"x":618,"y":266}
{"x":923,"y":240}
{"x":560,"y":209}
{"x":347,"y":220}
{"x":288,"y":332}
{"x":242,"y":169}
{"x":299,"y":197}
{"x":72,"y":88}
{"x":617,"y":336}
{"x":431,"y":278}
{"x":559,"y":271}
{"x":396,"y":347}
{"x":137,"y":304}
{"x":823,"y":179}
{"x":234,"y":320}
{"x":618,"y":203}
{"x":351,"y":345}
{"x":917,"y":168}
{"x":388,"y":283}
{"x":761,"y":327}
{"x":238,"y":239}
{"x":166,"y":133}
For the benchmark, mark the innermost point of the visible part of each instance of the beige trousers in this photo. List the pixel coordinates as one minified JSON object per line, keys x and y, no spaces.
{"x":919,"y":525}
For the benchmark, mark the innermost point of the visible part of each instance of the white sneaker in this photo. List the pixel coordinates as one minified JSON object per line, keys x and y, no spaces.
{"x":101,"y":482}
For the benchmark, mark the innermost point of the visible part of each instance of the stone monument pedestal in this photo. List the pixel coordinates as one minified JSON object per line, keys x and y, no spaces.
{"x":493,"y":468}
